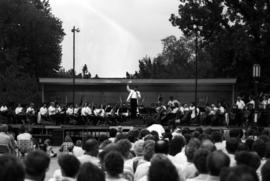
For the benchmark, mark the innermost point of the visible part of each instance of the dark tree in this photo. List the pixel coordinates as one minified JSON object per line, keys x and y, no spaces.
{"x":30,"y":37}
{"x":177,"y":60}
{"x":235,"y":33}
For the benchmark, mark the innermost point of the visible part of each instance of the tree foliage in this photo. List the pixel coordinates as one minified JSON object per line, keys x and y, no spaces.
{"x":235,"y":33}
{"x":30,"y":43}
{"x":177,"y":60}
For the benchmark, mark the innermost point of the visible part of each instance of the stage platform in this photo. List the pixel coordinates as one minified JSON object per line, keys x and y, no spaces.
{"x":57,"y":133}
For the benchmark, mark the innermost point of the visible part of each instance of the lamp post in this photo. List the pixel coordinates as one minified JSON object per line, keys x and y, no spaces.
{"x":256,"y":74}
{"x":74,"y":30}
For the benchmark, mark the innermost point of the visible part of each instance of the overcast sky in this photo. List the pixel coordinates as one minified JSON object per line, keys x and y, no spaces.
{"x":114,"y":34}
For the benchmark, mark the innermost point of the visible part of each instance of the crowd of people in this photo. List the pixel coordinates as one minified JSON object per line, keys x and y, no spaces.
{"x":172,"y":112}
{"x":150,"y":154}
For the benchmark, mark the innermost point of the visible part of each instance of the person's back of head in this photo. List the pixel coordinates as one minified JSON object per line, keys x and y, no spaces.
{"x":69,"y":165}
{"x":112,"y":132}
{"x":143,"y":133}
{"x":162,"y":169}
{"x":124,"y":147}
{"x":176,"y":145}
{"x":89,"y":171}
{"x":259,"y":147}
{"x":148,"y":149}
{"x":216,"y":161}
{"x":265,"y":171}
{"x":239,"y":173}
{"x":11,"y":168}
{"x":91,"y":147}
{"x":78,"y":143}
{"x":36,"y":165}
{"x":216,"y":136}
{"x":232,"y":145}
{"x":250,"y":159}
{"x":200,"y":160}
{"x":114,"y":163}
{"x":208,"y":144}
{"x":162,"y":146}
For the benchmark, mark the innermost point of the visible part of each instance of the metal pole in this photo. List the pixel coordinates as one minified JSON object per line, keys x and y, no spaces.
{"x":74,"y":30}
{"x":73,"y":81}
{"x":196,"y":75}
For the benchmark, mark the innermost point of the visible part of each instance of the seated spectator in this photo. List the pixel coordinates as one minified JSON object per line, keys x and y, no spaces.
{"x":239,"y":173}
{"x":176,"y":145}
{"x":259,"y":147}
{"x":208,"y":144}
{"x":114,"y":166}
{"x":231,"y":147}
{"x":112,"y":133}
{"x":36,"y":165}
{"x":200,"y":162}
{"x":250,"y":159}
{"x":216,"y":161}
{"x":140,"y":169}
{"x":67,"y":145}
{"x":69,"y":166}
{"x":6,"y":142}
{"x":77,"y":149}
{"x":189,"y":169}
{"x":91,"y":152}
{"x":162,"y":169}
{"x":89,"y":171}
{"x":11,"y":169}
{"x":265,"y":171}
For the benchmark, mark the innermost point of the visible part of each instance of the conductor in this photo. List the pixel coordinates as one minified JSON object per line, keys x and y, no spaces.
{"x":133,"y":98}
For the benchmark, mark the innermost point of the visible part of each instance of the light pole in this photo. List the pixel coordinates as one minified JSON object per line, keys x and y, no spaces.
{"x":256,"y":74}
{"x":74,"y":30}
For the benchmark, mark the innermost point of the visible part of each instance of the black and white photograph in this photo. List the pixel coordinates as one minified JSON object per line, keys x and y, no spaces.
{"x":134,"y":90}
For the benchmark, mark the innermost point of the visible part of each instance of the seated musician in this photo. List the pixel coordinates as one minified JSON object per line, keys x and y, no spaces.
{"x":19,"y":114}
{"x":86,"y":112}
{"x":186,"y":114}
{"x":69,"y":111}
{"x":99,"y":114}
{"x":4,"y":112}
{"x":43,"y":112}
{"x":52,"y":112}
{"x":220,"y":113}
{"x":30,"y":113}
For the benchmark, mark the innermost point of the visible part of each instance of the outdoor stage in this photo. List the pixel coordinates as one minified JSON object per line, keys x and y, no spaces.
{"x":57,"y":133}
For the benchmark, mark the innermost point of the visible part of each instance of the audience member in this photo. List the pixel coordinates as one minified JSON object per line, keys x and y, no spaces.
{"x":238,"y":173}
{"x":162,"y":169}
{"x":91,"y":152}
{"x":216,"y":161}
{"x":69,"y":166}
{"x":11,"y":168}
{"x":89,"y":171}
{"x":36,"y":165}
{"x":114,"y":166}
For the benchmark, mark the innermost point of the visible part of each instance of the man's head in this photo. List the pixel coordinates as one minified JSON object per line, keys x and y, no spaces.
{"x":114,"y":163}
{"x":239,"y":173}
{"x":91,"y":147}
{"x":162,"y":169}
{"x":69,"y":165}
{"x":162,"y":146}
{"x":200,"y":160}
{"x":11,"y":168}
{"x":36,"y":165}
{"x":216,"y":161}
{"x":250,"y":159}
{"x":232,"y":145}
{"x":148,"y":149}
{"x":176,"y":145}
